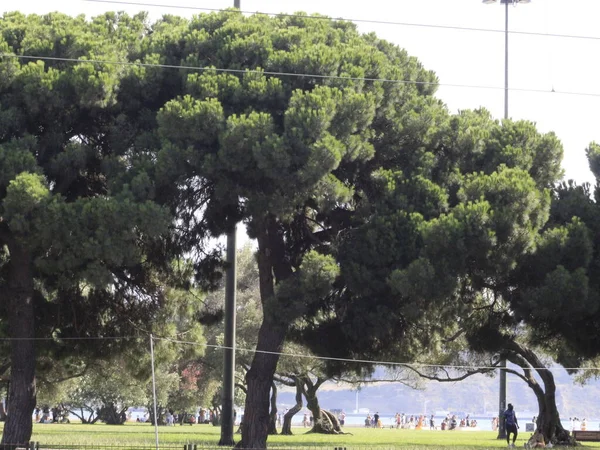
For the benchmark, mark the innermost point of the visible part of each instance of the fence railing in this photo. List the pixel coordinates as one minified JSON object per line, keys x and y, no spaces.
{"x":152,"y":446}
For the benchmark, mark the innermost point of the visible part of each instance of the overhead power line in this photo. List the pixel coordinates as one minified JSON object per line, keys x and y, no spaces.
{"x":367,"y":361}
{"x":286,"y":354}
{"x":376,"y":22}
{"x":74,"y":338}
{"x":290,"y":74}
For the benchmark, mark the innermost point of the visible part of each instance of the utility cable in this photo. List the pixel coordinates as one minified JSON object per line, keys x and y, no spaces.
{"x":367,"y":361}
{"x":376,"y":22}
{"x":73,"y":338}
{"x":286,"y":354}
{"x":290,"y":74}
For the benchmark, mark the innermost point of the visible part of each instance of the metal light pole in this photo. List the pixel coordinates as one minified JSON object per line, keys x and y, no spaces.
{"x":506,"y":4}
{"x":227,"y":417}
{"x":154,"y":391}
{"x":502,"y":367}
{"x":229,"y":350}
{"x":502,"y":401}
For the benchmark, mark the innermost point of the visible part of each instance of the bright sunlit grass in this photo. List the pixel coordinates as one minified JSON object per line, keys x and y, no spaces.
{"x":208,"y":436}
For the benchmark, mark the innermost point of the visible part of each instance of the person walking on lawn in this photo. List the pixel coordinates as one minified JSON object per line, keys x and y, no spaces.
{"x":511,"y":424}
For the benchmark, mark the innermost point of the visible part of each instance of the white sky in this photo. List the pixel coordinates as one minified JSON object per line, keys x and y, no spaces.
{"x":460,"y":56}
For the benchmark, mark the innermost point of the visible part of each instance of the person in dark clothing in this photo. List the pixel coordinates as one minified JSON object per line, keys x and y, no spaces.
{"x":453,"y":423}
{"x":511,"y":425}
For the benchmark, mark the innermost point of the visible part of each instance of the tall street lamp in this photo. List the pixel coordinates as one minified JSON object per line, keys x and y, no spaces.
{"x":502,"y":390}
{"x":506,"y":3}
{"x":227,"y":416}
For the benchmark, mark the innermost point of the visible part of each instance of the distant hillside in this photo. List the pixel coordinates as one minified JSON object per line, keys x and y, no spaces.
{"x":477,"y":395}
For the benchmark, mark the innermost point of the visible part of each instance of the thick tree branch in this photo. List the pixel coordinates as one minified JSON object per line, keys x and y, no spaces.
{"x":449,"y":378}
{"x":455,"y":336}
{"x":534,"y":362}
{"x":287,"y":379}
{"x":517,"y":374}
{"x":319,"y":382}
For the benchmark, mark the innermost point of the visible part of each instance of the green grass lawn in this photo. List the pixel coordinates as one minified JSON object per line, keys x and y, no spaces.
{"x":142,"y":435}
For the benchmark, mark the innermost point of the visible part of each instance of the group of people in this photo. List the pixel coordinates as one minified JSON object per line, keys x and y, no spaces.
{"x":450,"y":422}
{"x":171,"y":417}
{"x":307,"y":421}
{"x":401,"y":420}
{"x":576,"y":424}
{"x":373,"y":421}
{"x":47,"y":415}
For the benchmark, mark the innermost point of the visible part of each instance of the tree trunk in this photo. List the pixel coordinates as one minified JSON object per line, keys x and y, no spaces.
{"x":110,"y":415}
{"x":22,"y":389}
{"x":548,"y":417}
{"x":330,"y":423}
{"x":273,"y":413}
{"x":259,"y":379}
{"x":548,"y":420}
{"x":312,"y":403}
{"x":287,"y":418}
{"x":272,"y":265}
{"x":323,"y":421}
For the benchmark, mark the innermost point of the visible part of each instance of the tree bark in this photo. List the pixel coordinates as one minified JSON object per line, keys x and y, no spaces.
{"x":273,"y":413}
{"x":110,"y":415}
{"x":323,"y":421}
{"x":548,"y":420}
{"x":548,"y":417}
{"x":287,"y":418}
{"x":258,"y":379}
{"x":22,"y":389}
{"x":309,"y":390}
{"x":273,"y":265}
